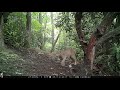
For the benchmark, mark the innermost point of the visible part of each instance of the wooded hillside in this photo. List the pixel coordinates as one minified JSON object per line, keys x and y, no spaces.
{"x":48,"y":43}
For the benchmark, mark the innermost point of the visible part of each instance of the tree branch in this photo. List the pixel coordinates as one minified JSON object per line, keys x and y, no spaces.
{"x":100,"y":30}
{"x":106,"y":23}
{"x":56,"y":41}
{"x":109,"y":36}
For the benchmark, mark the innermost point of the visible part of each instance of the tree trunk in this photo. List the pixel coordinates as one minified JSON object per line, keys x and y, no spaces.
{"x":41,"y":31}
{"x":78,"y":17}
{"x":117,"y":21}
{"x":52,"y":33}
{"x":44,"y":35}
{"x":53,"y":47}
{"x":28,"y":31}
{"x":99,"y":32}
{"x":105,"y":13}
{"x":65,"y":38}
{"x":1,"y":31}
{"x":40,"y":18}
{"x":89,"y":49}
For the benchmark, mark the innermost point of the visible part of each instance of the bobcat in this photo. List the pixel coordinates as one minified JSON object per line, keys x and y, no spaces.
{"x":66,"y":54}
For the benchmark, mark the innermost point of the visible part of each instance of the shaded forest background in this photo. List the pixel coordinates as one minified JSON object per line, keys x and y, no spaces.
{"x":94,"y":35}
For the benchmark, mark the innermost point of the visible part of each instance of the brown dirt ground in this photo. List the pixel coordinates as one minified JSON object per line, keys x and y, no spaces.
{"x":40,"y":64}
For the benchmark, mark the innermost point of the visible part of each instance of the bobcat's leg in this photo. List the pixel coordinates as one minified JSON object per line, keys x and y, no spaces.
{"x":63,"y":61}
{"x":74,"y":58}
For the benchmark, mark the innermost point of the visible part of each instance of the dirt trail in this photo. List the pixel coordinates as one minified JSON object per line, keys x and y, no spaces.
{"x":40,"y":64}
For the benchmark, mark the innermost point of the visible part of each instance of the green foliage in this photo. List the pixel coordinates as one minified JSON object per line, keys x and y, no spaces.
{"x":116,"y":57}
{"x":79,"y":53}
{"x":116,"y":52}
{"x":66,"y":21}
{"x":35,"y":15}
{"x":9,"y":63}
{"x":38,"y":29}
{"x":36,"y":25}
{"x":36,"y":39}
{"x":14,"y":30}
{"x":111,"y":61}
{"x":90,"y":21}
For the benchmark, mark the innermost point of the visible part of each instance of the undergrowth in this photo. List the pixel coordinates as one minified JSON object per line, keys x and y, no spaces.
{"x":10,"y":63}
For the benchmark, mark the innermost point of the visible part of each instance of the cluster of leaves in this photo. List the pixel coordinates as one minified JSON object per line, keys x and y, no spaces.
{"x":68,"y":37}
{"x":36,"y":39}
{"x":66,"y":21}
{"x":110,"y":59}
{"x":90,"y":21}
{"x":38,"y":29}
{"x":116,"y":58}
{"x":14,"y":29}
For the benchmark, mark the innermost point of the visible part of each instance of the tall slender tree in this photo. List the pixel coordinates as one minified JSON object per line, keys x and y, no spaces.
{"x":44,"y":34}
{"x":56,"y":41}
{"x":41,"y":39}
{"x":52,"y":32}
{"x":28,"y":29}
{"x":1,"y":31}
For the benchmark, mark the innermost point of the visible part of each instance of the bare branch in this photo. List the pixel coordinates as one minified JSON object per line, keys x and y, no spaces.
{"x":109,"y":36}
{"x":106,"y":22}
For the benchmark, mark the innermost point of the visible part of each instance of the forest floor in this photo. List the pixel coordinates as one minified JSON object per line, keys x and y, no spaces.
{"x":40,"y":64}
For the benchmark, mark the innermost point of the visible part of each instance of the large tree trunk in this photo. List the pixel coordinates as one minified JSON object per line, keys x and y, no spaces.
{"x":99,"y":32}
{"x":78,"y":18}
{"x":28,"y":31}
{"x":89,"y":49}
{"x":1,"y":31}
